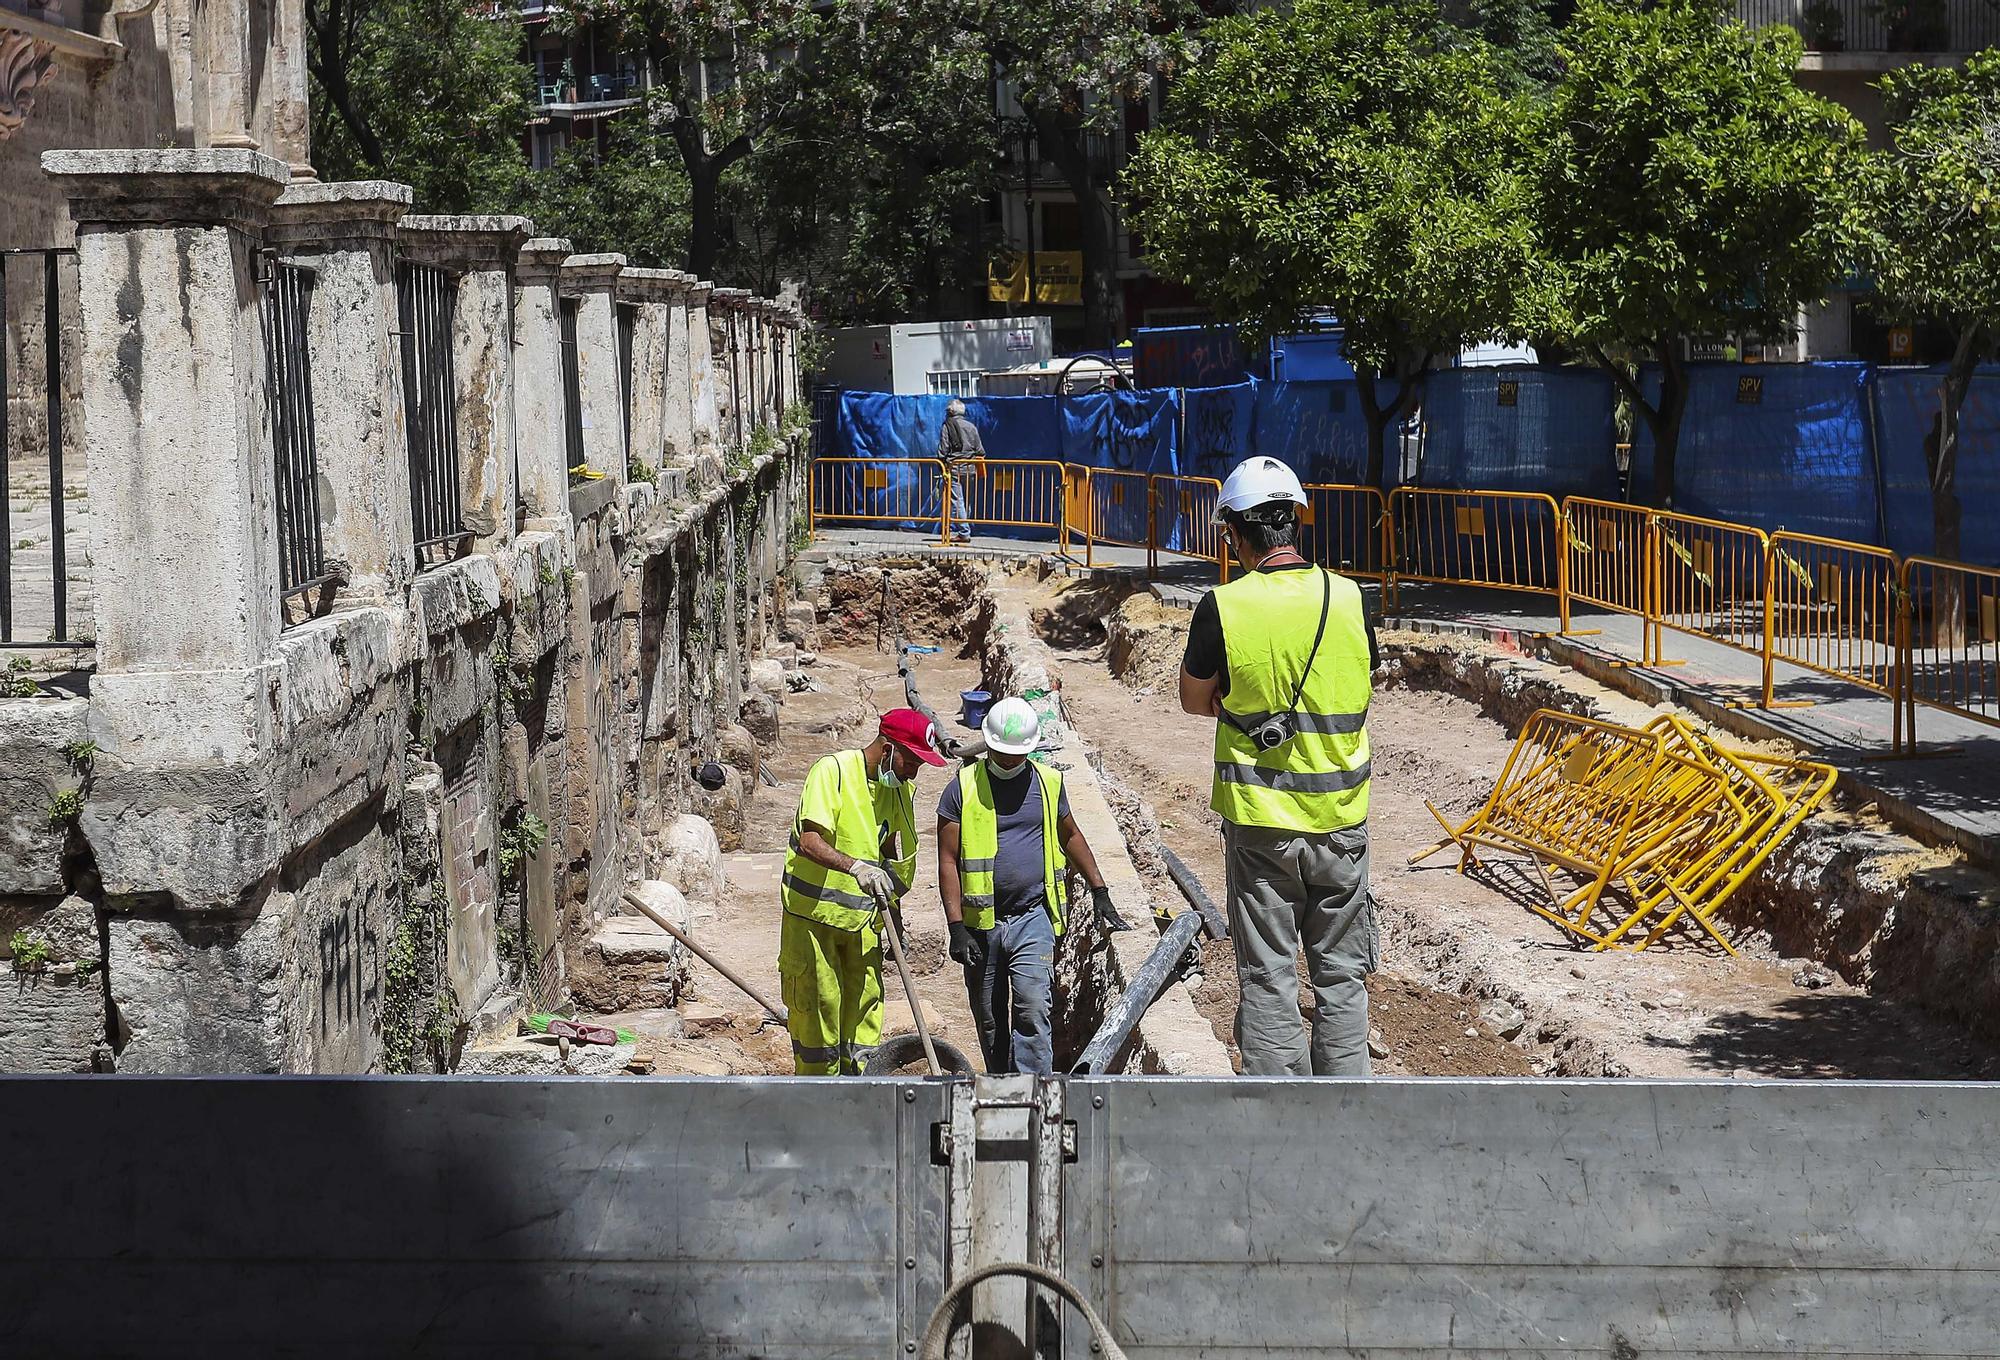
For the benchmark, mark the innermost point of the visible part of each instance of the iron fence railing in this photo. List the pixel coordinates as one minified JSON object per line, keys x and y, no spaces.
{"x":1881,"y":25}
{"x":426,"y":299}
{"x":30,"y":617}
{"x":287,"y":306}
{"x":572,"y":384}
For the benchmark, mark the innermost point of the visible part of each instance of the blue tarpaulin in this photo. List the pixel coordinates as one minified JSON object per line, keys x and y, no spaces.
{"x":1217,"y":428}
{"x":1907,"y":414}
{"x":1520,"y":427}
{"x":1772,"y":445}
{"x":1315,"y":427}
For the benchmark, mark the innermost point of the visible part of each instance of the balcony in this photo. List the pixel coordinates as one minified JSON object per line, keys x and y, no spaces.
{"x":1876,"y":30}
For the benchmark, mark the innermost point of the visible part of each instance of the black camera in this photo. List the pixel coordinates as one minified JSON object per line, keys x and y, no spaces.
{"x":1274,"y":731}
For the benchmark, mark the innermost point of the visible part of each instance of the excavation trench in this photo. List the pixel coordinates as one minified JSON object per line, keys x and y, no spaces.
{"x":1846,"y":951}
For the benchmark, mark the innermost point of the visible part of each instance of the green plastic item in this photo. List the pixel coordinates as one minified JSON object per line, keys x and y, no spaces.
{"x":539,"y":1023}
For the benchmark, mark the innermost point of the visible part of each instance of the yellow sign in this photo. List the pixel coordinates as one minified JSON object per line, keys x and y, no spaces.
{"x":1902,"y":342}
{"x":1058,"y":278}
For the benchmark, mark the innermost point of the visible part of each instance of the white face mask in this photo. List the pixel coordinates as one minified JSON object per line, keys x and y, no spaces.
{"x":999,"y":771}
{"x":887,"y":776}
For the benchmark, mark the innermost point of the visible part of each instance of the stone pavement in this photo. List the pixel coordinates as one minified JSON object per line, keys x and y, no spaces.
{"x":1949,"y":792}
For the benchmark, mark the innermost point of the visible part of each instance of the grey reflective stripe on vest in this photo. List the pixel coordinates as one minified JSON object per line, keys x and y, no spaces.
{"x":828,"y":894}
{"x":977,"y":866}
{"x":976,"y":902}
{"x":1319,"y":724}
{"x":1289,"y":781}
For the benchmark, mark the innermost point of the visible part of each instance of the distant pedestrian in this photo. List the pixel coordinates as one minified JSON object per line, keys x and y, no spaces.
{"x":960,"y":446}
{"x":1282,"y":659}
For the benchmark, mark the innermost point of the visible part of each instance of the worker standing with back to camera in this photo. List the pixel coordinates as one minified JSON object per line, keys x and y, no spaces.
{"x":1281,"y":658}
{"x":853,"y":855}
{"x":1006,"y":842}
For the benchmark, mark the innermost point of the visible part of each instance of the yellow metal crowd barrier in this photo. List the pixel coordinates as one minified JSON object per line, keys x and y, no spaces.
{"x":1028,"y":493}
{"x":1950,"y":633}
{"x":1183,"y":521}
{"x":1346,"y":528}
{"x":1656,"y":824}
{"x":1922,"y":630}
{"x":1502,"y":539}
{"x":873,"y":490}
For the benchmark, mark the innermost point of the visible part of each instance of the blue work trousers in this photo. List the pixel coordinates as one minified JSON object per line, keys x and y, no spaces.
{"x":1012,"y":993}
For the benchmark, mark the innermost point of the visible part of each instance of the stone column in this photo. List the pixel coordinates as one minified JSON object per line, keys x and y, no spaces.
{"x":679,"y":417}
{"x":593,"y":281}
{"x":221,"y":53}
{"x":291,"y":107}
{"x":479,"y":253}
{"x":181,"y":482}
{"x":702,"y":366}
{"x":346,"y":234}
{"x":540,"y":403}
{"x":653,"y":292}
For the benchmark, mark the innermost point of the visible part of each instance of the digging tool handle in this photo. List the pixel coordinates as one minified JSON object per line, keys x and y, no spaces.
{"x":910,"y":990}
{"x":777,"y":1013}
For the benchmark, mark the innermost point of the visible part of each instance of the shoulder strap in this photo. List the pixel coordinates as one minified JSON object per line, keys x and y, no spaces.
{"x":1325,"y":607}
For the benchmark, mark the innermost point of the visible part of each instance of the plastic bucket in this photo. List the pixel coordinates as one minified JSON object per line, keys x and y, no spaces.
{"x":975,"y":703}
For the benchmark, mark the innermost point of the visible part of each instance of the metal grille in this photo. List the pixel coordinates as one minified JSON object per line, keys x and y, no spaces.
{"x":426,"y":300}
{"x":628,"y":324}
{"x":572,"y":388}
{"x":957,"y":382}
{"x":40,"y":616}
{"x":288,"y":293}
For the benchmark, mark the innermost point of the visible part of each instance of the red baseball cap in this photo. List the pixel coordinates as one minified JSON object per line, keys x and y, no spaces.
{"x":913,"y":732}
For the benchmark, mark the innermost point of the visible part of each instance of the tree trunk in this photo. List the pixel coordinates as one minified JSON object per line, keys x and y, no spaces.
{"x":704,"y":171}
{"x":1379,"y":417}
{"x":1941,"y":456}
{"x":1663,"y":420}
{"x":1067,"y":145}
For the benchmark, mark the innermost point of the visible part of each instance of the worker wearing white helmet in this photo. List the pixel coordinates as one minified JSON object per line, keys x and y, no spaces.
{"x":1281,"y":659}
{"x":959,"y":446}
{"x":1006,"y":845}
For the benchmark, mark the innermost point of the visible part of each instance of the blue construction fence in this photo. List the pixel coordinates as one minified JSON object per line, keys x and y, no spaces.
{"x":1836,"y":449}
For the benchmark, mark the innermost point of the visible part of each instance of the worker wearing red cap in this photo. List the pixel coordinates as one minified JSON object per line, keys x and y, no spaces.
{"x":853,"y":855}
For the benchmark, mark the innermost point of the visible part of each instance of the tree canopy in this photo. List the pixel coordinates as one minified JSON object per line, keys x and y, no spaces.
{"x":1347,"y":156}
{"x":1687,"y":187}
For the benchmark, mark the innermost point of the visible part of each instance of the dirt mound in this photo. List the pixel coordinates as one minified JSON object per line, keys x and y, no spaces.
{"x":863,"y":605}
{"x":1144,"y":642}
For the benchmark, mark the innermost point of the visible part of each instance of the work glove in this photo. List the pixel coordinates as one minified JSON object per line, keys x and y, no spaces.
{"x":1107,"y":915}
{"x":876,"y":882}
{"x":966,"y":947}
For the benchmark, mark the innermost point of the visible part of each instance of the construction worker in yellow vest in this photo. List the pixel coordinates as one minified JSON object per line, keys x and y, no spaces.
{"x":1006,"y":844}
{"x":853,"y":855}
{"x":1281,"y":659}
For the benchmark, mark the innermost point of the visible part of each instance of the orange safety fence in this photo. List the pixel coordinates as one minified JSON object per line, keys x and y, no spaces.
{"x":877,"y":490}
{"x":1183,"y":520}
{"x":1076,"y":510}
{"x":1120,"y":508}
{"x":1346,"y":529}
{"x":1833,"y":609}
{"x":1708,"y":581}
{"x":1608,"y":557}
{"x":1951,"y":638}
{"x":1014,"y":493}
{"x":1502,"y":539}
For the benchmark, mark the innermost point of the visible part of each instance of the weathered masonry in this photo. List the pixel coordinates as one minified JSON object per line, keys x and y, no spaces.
{"x":428,"y":557}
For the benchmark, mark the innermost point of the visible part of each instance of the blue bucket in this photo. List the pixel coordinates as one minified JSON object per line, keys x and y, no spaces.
{"x":975,"y":703}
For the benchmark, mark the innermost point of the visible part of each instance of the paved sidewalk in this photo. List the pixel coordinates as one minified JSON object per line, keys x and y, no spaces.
{"x":1949,"y":792}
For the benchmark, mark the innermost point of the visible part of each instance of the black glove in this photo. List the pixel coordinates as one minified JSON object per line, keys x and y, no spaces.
{"x":966,"y":948}
{"x":1107,"y":915}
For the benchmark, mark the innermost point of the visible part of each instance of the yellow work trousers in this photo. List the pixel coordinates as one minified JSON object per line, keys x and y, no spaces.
{"x":832,"y":983}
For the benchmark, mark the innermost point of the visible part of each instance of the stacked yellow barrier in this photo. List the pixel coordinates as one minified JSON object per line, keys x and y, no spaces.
{"x":1654,"y":824}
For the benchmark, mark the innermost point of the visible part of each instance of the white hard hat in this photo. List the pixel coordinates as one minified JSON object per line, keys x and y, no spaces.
{"x":1258,"y":481}
{"x":1012,"y":728}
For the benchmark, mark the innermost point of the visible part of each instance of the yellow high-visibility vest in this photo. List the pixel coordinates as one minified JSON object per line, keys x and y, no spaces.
{"x":842,"y":797}
{"x":979,"y":844}
{"x":1317,"y":781}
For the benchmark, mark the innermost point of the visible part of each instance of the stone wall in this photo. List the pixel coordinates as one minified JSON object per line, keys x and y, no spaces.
{"x":350,"y":828}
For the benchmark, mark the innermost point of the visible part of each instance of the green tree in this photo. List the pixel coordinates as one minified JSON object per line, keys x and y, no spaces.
{"x":727,"y":77}
{"x":1687,"y":188}
{"x":422,"y":91}
{"x":1934,"y":217}
{"x":630,"y":200}
{"x":1348,"y":156}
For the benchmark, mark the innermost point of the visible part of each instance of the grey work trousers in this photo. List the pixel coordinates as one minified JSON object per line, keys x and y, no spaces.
{"x":1287,"y":889}
{"x":1012,"y":994}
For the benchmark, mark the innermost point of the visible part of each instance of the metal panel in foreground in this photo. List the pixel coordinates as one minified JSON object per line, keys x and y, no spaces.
{"x":468,"y":1216}
{"x":1505,"y":1218}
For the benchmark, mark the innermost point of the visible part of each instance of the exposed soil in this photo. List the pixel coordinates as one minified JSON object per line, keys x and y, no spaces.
{"x":1453,"y":944}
